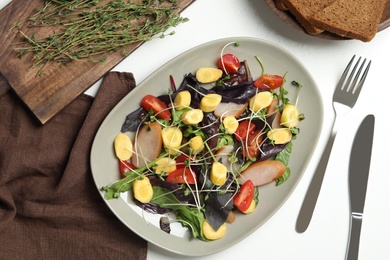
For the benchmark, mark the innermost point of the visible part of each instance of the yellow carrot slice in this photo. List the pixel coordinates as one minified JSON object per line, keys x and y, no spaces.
{"x":251,"y":208}
{"x":123,"y":147}
{"x":212,"y":234}
{"x":192,"y":117}
{"x":280,"y":135}
{"x":196,"y":144}
{"x":260,"y":100}
{"x":142,"y":189}
{"x":172,"y":137}
{"x":165,"y":164}
{"x":210,"y":102}
{"x":208,"y":75}
{"x":230,"y":123}
{"x":182,"y":100}
{"x":289,"y":116}
{"x":218,"y":173}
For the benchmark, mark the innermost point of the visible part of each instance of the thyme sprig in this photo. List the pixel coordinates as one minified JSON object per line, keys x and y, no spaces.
{"x":91,"y":29}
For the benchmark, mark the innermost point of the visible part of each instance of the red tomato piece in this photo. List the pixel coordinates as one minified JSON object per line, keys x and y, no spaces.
{"x":160,"y":109}
{"x":244,"y":130}
{"x":182,"y":158}
{"x":229,"y":62}
{"x":251,"y":145}
{"x":182,"y":175}
{"x":125,"y":166}
{"x":268,"y":82}
{"x":243,"y":199}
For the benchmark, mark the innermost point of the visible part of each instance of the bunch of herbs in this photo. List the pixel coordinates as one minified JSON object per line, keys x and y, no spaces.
{"x":92,"y":29}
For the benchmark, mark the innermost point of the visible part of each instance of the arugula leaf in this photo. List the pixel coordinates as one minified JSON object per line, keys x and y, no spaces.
{"x":223,"y":140}
{"x":191,"y":131}
{"x":188,"y":216}
{"x":113,"y":191}
{"x":284,"y":177}
{"x":284,"y":157}
{"x":283,"y":92}
{"x":176,"y":115}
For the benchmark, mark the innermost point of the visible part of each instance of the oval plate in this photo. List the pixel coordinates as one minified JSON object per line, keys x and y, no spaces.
{"x":277,"y":60}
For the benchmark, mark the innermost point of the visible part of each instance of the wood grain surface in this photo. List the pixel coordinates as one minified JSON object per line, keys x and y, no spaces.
{"x":289,"y":19}
{"x":49,"y":93}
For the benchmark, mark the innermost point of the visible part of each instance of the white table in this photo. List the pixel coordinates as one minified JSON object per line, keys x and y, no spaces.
{"x":326,"y":237}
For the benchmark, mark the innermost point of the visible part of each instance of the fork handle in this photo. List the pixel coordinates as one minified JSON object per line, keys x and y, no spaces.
{"x":310,"y":200}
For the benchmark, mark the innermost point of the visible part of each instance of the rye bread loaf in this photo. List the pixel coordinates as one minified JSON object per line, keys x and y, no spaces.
{"x":357,"y":19}
{"x":303,"y":10}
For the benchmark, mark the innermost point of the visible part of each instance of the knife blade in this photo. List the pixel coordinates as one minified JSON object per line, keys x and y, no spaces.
{"x":359,"y":168}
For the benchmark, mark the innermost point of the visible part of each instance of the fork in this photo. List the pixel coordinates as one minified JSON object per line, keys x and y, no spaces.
{"x":344,"y":98}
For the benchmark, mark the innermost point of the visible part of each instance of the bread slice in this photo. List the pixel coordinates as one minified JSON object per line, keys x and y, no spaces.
{"x":357,"y":19}
{"x":303,"y":10}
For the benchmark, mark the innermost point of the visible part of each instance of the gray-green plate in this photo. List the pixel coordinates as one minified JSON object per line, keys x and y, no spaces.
{"x":277,"y":61}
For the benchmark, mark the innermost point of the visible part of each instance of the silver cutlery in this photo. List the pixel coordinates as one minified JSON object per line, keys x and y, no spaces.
{"x":344,"y":98}
{"x":359,"y":168}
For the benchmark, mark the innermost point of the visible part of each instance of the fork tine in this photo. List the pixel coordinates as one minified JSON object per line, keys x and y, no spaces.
{"x":357,"y":76}
{"x":348,"y":89}
{"x":341,"y":84}
{"x":358,"y":87}
{"x":351,"y":75}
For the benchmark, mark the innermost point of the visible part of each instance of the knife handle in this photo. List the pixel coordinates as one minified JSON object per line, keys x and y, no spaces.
{"x":354,"y":236}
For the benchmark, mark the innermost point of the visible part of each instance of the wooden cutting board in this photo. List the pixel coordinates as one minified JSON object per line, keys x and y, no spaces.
{"x":49,"y":93}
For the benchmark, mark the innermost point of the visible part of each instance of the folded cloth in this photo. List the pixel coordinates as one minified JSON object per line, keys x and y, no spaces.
{"x":50,"y":207}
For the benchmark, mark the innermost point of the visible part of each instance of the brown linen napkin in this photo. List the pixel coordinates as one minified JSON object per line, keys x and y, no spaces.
{"x":50,"y":207}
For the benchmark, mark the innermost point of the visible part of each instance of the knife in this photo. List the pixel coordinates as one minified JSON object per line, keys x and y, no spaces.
{"x":359,"y":168}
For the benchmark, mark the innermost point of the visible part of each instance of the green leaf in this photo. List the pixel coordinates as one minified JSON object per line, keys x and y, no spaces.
{"x":113,"y":191}
{"x":176,"y":115}
{"x":188,"y":216}
{"x":284,"y":157}
{"x":224,"y":140}
{"x":284,"y":177}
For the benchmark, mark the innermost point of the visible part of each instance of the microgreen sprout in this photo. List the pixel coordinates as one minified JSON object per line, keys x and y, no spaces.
{"x":261,"y":65}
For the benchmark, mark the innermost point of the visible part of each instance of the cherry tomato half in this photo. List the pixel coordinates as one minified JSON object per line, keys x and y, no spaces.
{"x":251,"y":145}
{"x":267,"y":82}
{"x":125,"y":166}
{"x":243,"y":199}
{"x":229,"y":62}
{"x":244,"y":130}
{"x":182,"y":175}
{"x":182,"y":158}
{"x":160,"y":109}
